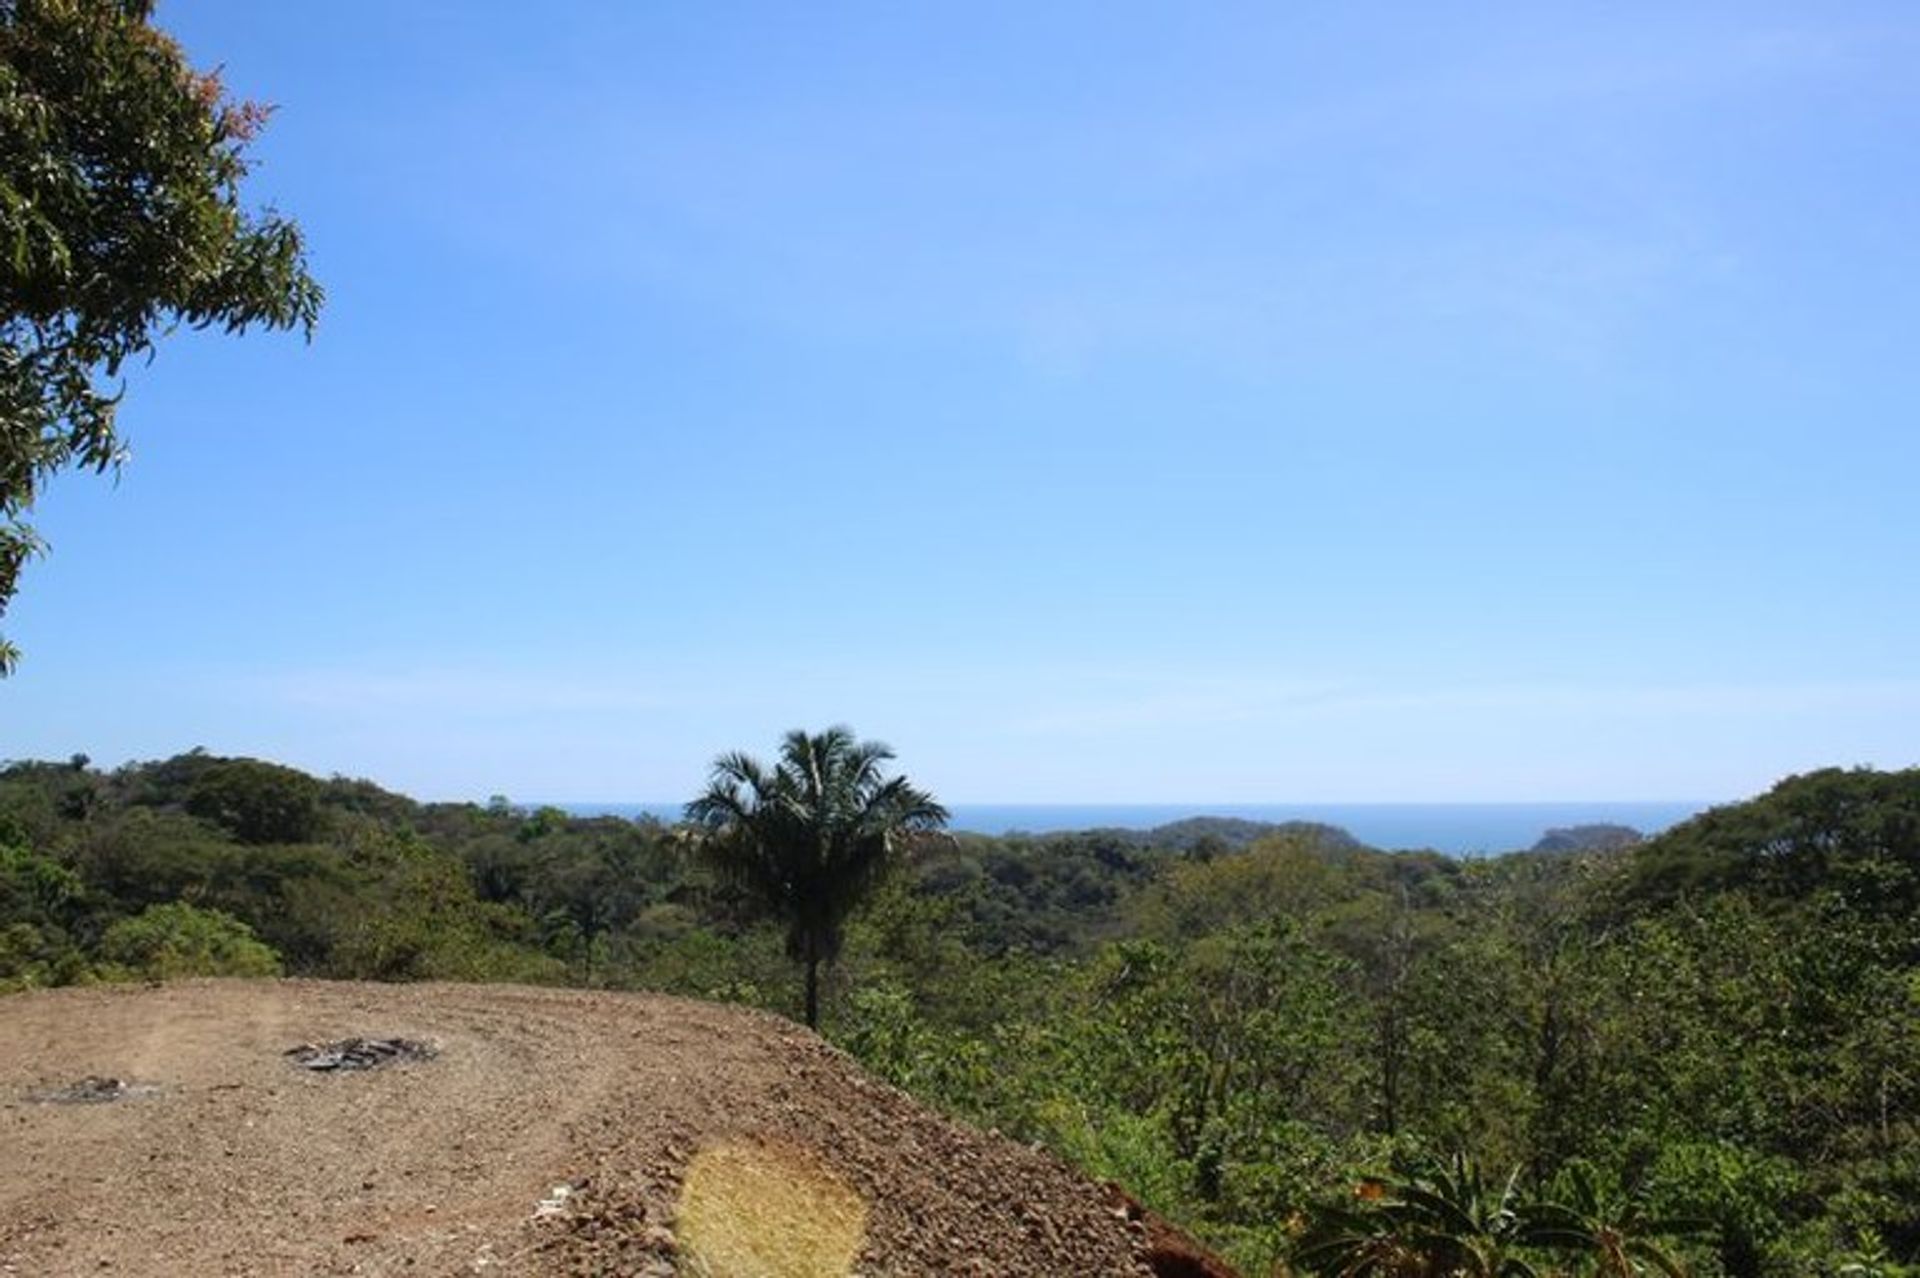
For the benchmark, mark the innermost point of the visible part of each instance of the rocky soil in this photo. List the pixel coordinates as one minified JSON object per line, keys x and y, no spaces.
{"x":168,"y":1131}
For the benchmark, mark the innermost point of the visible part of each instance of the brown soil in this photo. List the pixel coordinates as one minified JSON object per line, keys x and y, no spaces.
{"x":221,"y":1155}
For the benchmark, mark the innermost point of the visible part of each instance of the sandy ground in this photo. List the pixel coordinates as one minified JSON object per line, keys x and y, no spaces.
{"x":240,"y":1162}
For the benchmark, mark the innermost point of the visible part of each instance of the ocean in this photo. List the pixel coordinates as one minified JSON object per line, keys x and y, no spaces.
{"x":1459,"y":829}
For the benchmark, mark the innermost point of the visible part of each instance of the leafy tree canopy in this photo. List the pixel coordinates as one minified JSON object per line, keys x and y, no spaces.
{"x":120,"y":216}
{"x":257,"y":802}
{"x":1852,"y":833}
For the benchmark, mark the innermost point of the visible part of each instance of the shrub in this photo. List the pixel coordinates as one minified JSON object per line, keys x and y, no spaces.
{"x":178,"y":939}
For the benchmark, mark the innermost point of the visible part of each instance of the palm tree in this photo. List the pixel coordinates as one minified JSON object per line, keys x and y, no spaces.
{"x":1441,"y":1220}
{"x":1613,"y":1231}
{"x":1447,"y":1220}
{"x":810,"y":837}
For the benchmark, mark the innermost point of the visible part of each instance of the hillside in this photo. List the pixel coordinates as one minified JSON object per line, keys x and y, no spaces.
{"x":1721,"y":1022}
{"x":223,"y":1155}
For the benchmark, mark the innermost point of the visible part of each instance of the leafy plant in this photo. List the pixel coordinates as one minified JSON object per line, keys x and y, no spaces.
{"x":1442,"y":1220}
{"x":1613,"y":1231}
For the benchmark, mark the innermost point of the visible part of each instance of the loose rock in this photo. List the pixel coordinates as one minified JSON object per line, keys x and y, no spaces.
{"x":360,"y":1053}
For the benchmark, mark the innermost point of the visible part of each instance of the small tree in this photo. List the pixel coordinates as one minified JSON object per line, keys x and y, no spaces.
{"x":807,"y":839}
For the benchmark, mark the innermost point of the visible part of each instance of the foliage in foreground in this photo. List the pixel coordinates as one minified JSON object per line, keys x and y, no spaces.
{"x":120,"y":217}
{"x":1448,"y":1218}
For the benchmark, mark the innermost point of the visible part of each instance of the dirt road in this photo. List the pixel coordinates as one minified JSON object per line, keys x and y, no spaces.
{"x":224,"y":1156}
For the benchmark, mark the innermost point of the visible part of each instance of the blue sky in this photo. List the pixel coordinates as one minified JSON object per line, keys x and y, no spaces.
{"x":1098,"y":402}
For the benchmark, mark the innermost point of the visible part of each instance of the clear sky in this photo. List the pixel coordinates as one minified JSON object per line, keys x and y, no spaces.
{"x":1098,"y":402}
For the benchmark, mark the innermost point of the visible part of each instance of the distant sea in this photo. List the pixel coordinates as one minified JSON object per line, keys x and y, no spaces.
{"x":1460,"y":829}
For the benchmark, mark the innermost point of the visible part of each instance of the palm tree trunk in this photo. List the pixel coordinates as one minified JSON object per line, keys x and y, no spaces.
{"x":813,"y":989}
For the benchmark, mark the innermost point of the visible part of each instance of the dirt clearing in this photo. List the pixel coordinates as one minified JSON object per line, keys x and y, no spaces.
{"x":539,"y":1132}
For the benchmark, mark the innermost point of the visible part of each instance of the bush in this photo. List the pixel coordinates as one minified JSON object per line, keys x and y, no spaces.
{"x":178,"y":939}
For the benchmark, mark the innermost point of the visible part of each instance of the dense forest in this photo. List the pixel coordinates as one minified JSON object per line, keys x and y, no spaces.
{"x":1703,"y":1047}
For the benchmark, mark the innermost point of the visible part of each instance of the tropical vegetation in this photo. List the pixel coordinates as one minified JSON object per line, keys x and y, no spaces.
{"x":121,"y":217}
{"x":810,"y":838}
{"x":1700,"y":1051}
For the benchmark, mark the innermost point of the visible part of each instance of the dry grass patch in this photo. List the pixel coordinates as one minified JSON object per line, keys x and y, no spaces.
{"x":764,"y":1211}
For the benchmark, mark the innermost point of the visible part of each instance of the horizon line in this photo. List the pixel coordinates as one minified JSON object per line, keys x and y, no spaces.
{"x":1177,"y":803}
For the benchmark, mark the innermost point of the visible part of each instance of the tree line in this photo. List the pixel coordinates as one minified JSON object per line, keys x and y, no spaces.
{"x":1287,"y":1045}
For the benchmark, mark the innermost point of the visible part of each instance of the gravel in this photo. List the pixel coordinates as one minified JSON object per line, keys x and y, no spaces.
{"x":452,"y":1159}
